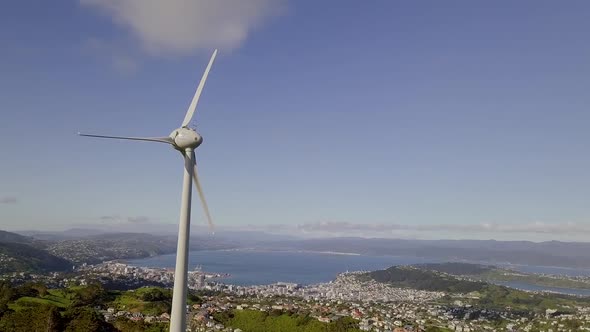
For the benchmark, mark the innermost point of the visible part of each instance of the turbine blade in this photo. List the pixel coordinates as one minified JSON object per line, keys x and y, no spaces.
{"x":167,"y":140}
{"x":202,"y":195}
{"x":193,"y":106}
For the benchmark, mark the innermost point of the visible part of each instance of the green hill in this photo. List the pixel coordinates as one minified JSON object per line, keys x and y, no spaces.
{"x":495,"y":274}
{"x":416,"y":278}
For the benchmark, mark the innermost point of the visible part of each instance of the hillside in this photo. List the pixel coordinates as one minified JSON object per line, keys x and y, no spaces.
{"x":103,"y":247}
{"x":14,"y":238}
{"x":85,"y":246}
{"x":19,"y":257}
{"x":495,"y":274}
{"x":99,"y":248}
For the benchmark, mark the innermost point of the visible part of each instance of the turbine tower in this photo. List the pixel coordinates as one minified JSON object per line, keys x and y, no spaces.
{"x":185,"y":140}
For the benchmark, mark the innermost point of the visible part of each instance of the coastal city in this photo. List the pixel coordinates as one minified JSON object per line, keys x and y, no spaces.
{"x":374,"y":306}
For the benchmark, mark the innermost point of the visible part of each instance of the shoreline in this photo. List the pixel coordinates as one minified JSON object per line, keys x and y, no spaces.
{"x":505,"y":265}
{"x":343,"y":263}
{"x":289,"y":251}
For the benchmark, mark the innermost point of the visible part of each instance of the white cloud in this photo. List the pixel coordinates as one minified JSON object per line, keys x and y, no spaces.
{"x":182,"y":26}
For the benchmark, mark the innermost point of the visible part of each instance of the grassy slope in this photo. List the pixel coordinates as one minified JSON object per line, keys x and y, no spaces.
{"x":257,"y":321}
{"x":133,"y":301}
{"x":54,"y":297}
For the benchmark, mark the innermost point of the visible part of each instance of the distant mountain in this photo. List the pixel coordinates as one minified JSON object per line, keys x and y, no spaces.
{"x":244,"y":237}
{"x":72,"y":233}
{"x":252,"y":237}
{"x":552,"y":253}
{"x":458,"y":269}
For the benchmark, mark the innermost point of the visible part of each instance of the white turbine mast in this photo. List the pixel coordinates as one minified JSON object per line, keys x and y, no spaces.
{"x":185,"y":140}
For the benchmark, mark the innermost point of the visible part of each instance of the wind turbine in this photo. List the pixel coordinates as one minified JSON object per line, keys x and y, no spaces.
{"x":185,"y":140}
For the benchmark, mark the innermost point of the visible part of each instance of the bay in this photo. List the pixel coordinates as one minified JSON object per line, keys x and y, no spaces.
{"x":248,"y":268}
{"x":264,"y":267}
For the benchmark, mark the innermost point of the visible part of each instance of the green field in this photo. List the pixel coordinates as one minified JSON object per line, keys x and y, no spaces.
{"x":133,"y":304}
{"x":258,"y":321}
{"x":58,"y":298}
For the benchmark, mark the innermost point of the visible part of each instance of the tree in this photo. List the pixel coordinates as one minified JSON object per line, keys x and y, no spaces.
{"x":89,"y":295}
{"x":42,"y":318}
{"x":155,"y":294}
{"x":125,"y":325}
{"x":40,"y":288}
{"x":86,"y":320}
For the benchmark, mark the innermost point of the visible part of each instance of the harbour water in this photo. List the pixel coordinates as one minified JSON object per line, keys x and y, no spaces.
{"x":262,"y":267}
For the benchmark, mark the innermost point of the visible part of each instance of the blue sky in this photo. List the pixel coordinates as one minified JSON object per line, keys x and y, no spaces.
{"x":457,"y":119}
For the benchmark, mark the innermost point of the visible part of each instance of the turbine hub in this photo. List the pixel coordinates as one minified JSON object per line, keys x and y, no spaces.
{"x":185,"y":138}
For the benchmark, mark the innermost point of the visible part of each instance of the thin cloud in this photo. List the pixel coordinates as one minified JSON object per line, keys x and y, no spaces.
{"x":8,"y":200}
{"x":118,"y":56}
{"x":119,"y":219}
{"x":138,"y":219}
{"x":180,"y":27}
{"x":530,"y":228}
{"x":109,"y":218}
{"x":124,"y":63}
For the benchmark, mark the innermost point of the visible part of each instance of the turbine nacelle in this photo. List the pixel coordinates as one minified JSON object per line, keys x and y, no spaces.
{"x":186,"y":138}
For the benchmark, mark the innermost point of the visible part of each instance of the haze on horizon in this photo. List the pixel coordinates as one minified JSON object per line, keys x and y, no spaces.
{"x":399,"y":119}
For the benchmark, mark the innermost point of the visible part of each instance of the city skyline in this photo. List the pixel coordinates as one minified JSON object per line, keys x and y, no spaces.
{"x":402,"y":119}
